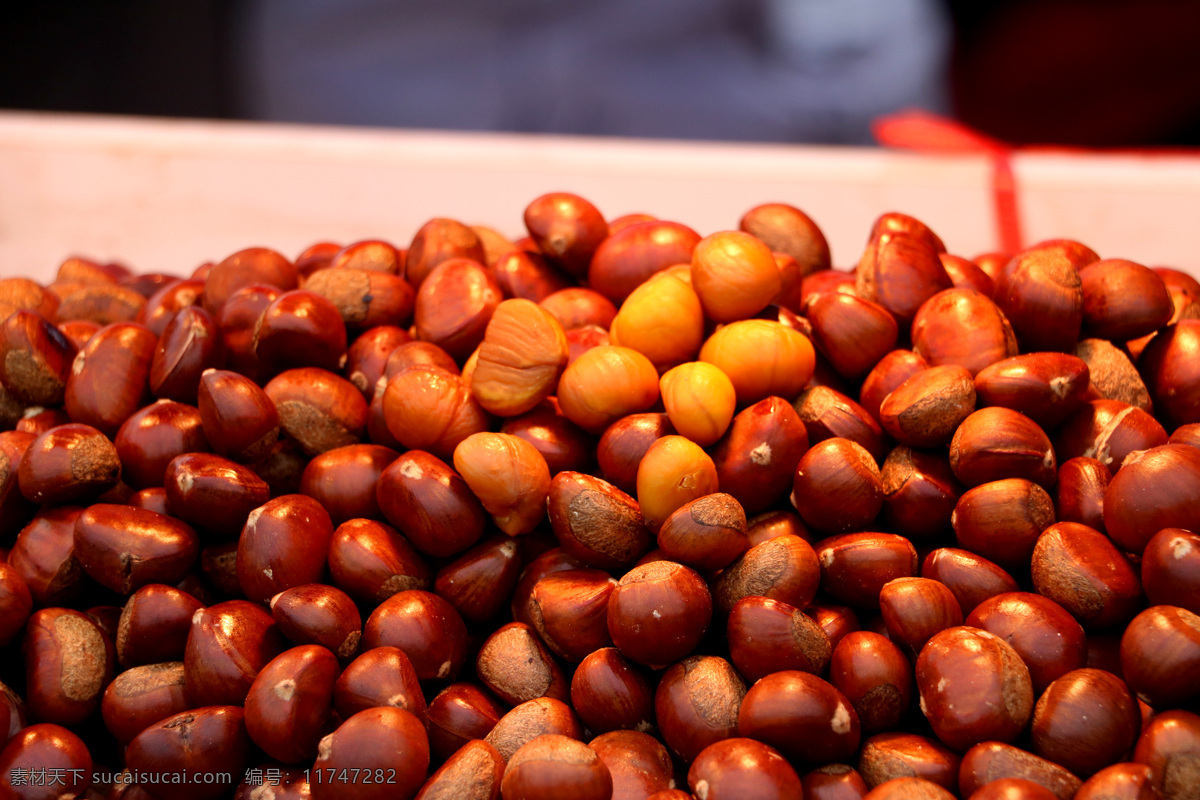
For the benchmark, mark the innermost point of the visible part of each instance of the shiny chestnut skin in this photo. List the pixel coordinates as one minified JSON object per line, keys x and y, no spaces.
{"x":855,"y":566}
{"x":625,"y":442}
{"x":886,"y":756}
{"x":318,"y":614}
{"x":991,"y":761}
{"x":254,"y":265}
{"x":744,"y":769}
{"x":454,"y":304}
{"x":1109,"y":431}
{"x":1079,"y":495}
{"x":789,"y":230}
{"x":68,"y":464}
{"x":549,"y":765}
{"x":381,"y":676}
{"x":239,"y":419}
{"x":343,"y":480}
{"x":853,"y":333}
{"x":658,"y":612}
{"x":430,"y":503}
{"x":1044,"y":634}
{"x":708,"y":533}
{"x":515,"y":665}
{"x":900,"y":271}
{"x":1171,"y":569}
{"x":1013,"y":789}
{"x":874,"y":676}
{"x":567,"y":229}
{"x":155,"y":435}
{"x":804,"y":717}
{"x":920,"y":493}
{"x":996,"y":443}
{"x":459,"y":713}
{"x":139,"y":697}
{"x":596,"y":522}
{"x":1123,"y":300}
{"x":1155,"y":489}
{"x":299,"y":329}
{"x":1046,"y":387}
{"x":35,"y":359}
{"x":837,"y":487}
{"x":767,"y":636}
{"x":371,"y":561}
{"x":609,"y":692}
{"x":783,"y":568}
{"x":109,"y":377}
{"x":1040,"y":291}
{"x":189,"y":345}
{"x":1001,"y":520}
{"x":425,"y":627}
{"x":959,"y":674}
{"x":1123,"y":781}
{"x":124,"y":548}
{"x":531,"y":719}
{"x":915,"y":609}
{"x":1160,"y":653}
{"x":228,"y":645}
{"x":834,"y":782}
{"x":562,"y":443}
{"x":568,"y":610}
{"x":1081,"y":570}
{"x":318,"y":409}
{"x":827,"y":413}
{"x":284,"y":543}
{"x":1168,"y":366}
{"x":68,"y":662}
{"x":628,"y":257}
{"x":927,"y":408}
{"x":15,"y":509}
{"x":212,"y":493}
{"x":44,"y":556}
{"x":290,"y":704}
{"x":46,"y":747}
{"x":759,"y":452}
{"x":480,"y":582}
{"x":153,"y":626}
{"x":16,"y":603}
{"x":1085,"y":720}
{"x":696,"y":704}
{"x":887,"y":374}
{"x":386,"y":738}
{"x":438,"y":240}
{"x":1170,"y":746}
{"x":638,"y":763}
{"x":961,"y":326}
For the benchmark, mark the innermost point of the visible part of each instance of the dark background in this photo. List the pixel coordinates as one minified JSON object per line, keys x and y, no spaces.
{"x":1101,"y":73}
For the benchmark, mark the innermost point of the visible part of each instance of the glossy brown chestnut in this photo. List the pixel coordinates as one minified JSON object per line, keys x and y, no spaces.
{"x":827,"y":413}
{"x":1160,"y":653}
{"x":317,"y":614}
{"x":425,"y":627}
{"x":318,"y":409}
{"x":851,"y":332}
{"x":1044,"y":634}
{"x":1001,"y":520}
{"x":887,"y":756}
{"x":1170,"y":746}
{"x":1085,"y":720}
{"x":153,"y":436}
{"x":290,"y":704}
{"x":284,"y":543}
{"x":1155,"y":489}
{"x":212,"y":493}
{"x":430,"y":503}
{"x":154,"y":625}
{"x":531,"y":719}
{"x":371,"y":562}
{"x":550,"y":765}
{"x":474,"y":771}
{"x":68,"y":662}
{"x":658,"y":612}
{"x":1081,"y":570}
{"x":44,"y":557}
{"x":141,"y":696}
{"x":914,"y":609}
{"x":569,"y":611}
{"x":47,"y":747}
{"x":365,"y":298}
{"x":480,"y":582}
{"x":1046,"y":387}
{"x":767,"y":636}
{"x":1123,"y":300}
{"x":68,"y":464}
{"x":1079,"y":496}
{"x":386,"y":741}
{"x":960,"y":673}
{"x":515,"y":665}
{"x":992,"y":761}
{"x":628,"y":257}
{"x":381,"y":676}
{"x":1168,"y":365}
{"x":900,"y":271}
{"x":16,"y":603}
{"x":837,"y":487}
{"x":996,"y":443}
{"x":1108,"y":430}
{"x":920,"y":493}
{"x":1040,"y":291}
{"x":961,"y":326}
{"x":109,"y":376}
{"x":35,"y":359}
{"x":458,"y":714}
{"x":228,"y":645}
{"x":745,"y":769}
{"x":438,"y":240}
{"x":239,"y":420}
{"x":855,"y":566}
{"x":562,"y":443}
{"x":124,"y":548}
{"x":189,"y":345}
{"x":596,"y":522}
{"x":638,"y":763}
{"x":802,"y":716}
{"x":254,"y":265}
{"x":696,"y":704}
{"x":1124,"y":781}
{"x":927,"y":408}
{"x":1171,"y":569}
{"x":609,"y":693}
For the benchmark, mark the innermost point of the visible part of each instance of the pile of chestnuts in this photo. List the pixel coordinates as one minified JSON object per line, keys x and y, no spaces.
{"x":614,"y":510}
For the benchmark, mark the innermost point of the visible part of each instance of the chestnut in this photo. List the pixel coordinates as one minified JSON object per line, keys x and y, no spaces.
{"x":658,"y":612}
{"x":1085,"y":720}
{"x":386,"y":741}
{"x":804,"y":717}
{"x":696,"y":704}
{"x":742,"y":768}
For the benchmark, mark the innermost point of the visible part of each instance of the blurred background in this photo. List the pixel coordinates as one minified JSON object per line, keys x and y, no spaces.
{"x":1100,"y":73}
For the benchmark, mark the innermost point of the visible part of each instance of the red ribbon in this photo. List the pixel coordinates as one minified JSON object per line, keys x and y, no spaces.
{"x":924,"y":132}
